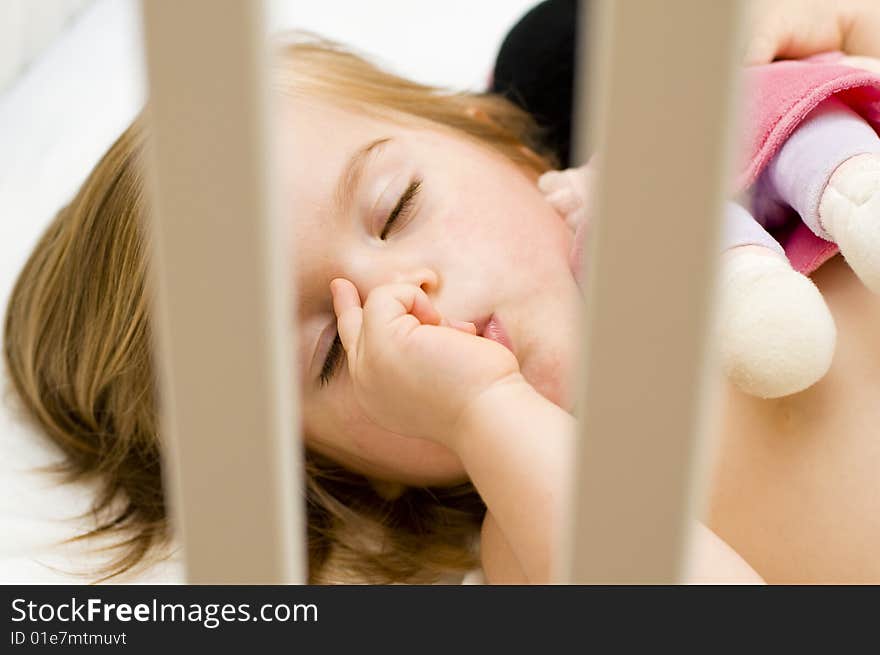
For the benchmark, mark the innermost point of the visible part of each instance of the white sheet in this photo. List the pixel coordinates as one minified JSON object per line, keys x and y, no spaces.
{"x":28,"y":27}
{"x":61,"y":116}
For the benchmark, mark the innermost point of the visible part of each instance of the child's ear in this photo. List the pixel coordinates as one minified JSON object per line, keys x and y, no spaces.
{"x":387,"y":490}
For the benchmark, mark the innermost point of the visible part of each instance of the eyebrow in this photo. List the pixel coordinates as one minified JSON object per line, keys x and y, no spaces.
{"x":353,"y":173}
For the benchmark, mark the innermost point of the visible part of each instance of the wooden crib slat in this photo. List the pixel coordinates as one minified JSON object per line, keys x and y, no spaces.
{"x":663,"y":86}
{"x":222,"y":325}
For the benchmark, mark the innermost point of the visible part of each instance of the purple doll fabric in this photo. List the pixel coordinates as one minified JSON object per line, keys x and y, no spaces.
{"x":779,"y":98}
{"x":798,"y":174}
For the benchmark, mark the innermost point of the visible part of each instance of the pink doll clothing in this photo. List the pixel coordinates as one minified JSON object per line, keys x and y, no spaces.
{"x":779,"y":98}
{"x":790,"y":108}
{"x":797,"y":176}
{"x":799,"y":173}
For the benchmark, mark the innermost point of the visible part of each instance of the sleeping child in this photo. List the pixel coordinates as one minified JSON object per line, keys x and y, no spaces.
{"x":436,"y":331}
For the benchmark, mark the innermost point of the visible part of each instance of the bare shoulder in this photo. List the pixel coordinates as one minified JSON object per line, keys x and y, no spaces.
{"x":795,"y":487}
{"x":710,"y":559}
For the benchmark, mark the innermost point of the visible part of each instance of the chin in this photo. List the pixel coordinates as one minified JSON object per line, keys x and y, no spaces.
{"x":553,"y":381}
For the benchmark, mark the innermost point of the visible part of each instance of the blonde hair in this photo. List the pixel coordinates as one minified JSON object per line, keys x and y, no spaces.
{"x":77,"y":346}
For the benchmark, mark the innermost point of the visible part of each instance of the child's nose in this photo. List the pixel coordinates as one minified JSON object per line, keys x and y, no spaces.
{"x":425,"y":278}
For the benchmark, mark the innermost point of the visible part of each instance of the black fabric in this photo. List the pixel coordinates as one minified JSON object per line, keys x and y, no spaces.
{"x":535,"y":69}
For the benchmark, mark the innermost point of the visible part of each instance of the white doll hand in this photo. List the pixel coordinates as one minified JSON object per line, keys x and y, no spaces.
{"x":568,"y":192}
{"x":849,"y":211}
{"x":777,"y":336}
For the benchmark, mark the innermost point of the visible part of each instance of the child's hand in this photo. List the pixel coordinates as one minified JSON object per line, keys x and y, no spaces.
{"x":568,"y":192}
{"x":792,"y":29}
{"x":414,"y":372}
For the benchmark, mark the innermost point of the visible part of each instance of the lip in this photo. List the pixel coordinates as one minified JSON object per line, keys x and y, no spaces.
{"x":493,"y":329}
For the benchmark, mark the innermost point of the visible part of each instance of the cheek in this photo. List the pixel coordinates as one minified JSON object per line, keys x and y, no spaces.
{"x":340,"y":430}
{"x":509,"y":211}
{"x":534,"y":240}
{"x":341,"y":421}
{"x":332,"y":429}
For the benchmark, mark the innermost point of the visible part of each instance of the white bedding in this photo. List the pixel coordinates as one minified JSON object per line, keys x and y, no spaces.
{"x":55,"y":123}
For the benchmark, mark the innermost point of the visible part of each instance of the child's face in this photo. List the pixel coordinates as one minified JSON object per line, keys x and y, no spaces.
{"x":478,"y":226}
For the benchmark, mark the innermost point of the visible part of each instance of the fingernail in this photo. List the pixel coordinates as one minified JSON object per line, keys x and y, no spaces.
{"x":464,"y":326}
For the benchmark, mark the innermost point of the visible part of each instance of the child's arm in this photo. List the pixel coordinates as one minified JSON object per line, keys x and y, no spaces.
{"x":516,"y":445}
{"x":710,"y":559}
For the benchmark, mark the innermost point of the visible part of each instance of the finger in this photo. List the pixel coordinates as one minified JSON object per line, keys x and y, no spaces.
{"x":767,"y":27}
{"x":423,"y":309}
{"x":761,"y":49}
{"x":784,"y":37}
{"x":463,"y":326}
{"x":396,"y":303}
{"x":797,"y":45}
{"x":349,"y":313}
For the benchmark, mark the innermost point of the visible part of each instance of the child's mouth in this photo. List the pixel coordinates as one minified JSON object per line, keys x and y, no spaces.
{"x":494,"y":330}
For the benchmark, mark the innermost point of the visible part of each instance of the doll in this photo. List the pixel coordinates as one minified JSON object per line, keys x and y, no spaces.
{"x":810,"y":187}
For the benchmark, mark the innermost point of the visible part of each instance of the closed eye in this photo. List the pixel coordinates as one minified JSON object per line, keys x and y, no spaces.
{"x":401,"y":210}
{"x":403,"y":206}
{"x":334,"y":358}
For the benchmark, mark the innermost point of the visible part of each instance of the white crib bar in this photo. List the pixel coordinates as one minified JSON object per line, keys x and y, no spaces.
{"x":228,"y":393}
{"x":663,"y":85}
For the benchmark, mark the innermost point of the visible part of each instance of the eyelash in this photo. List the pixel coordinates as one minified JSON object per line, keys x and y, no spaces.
{"x":334,"y":358}
{"x":403,"y":207}
{"x":401,"y":210}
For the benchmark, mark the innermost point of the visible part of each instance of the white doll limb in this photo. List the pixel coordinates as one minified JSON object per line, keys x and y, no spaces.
{"x":776,"y":334}
{"x":829,"y":172}
{"x":850,"y":207}
{"x":850,"y":212}
{"x":568,"y":192}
